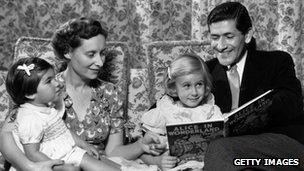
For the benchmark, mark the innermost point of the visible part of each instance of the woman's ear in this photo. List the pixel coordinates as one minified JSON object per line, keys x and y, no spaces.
{"x":249,"y":35}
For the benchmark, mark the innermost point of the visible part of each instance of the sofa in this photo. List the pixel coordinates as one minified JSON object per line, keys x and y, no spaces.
{"x":140,"y":87}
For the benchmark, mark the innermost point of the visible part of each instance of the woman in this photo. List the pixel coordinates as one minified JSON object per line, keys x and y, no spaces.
{"x":93,"y":109}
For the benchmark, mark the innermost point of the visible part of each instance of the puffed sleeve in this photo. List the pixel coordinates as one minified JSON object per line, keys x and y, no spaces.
{"x":154,"y":121}
{"x":217,"y":113}
{"x":29,"y":128}
{"x":116,"y":109}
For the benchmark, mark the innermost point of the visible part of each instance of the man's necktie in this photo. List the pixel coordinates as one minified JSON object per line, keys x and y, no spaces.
{"x":234,"y":82}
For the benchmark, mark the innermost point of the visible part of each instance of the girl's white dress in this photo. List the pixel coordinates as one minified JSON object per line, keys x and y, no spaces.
{"x":44,"y":125}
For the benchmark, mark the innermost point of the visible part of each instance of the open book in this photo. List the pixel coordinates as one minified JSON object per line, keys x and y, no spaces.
{"x":189,"y":141}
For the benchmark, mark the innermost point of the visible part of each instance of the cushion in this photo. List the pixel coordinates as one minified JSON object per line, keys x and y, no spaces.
{"x":138,"y":101}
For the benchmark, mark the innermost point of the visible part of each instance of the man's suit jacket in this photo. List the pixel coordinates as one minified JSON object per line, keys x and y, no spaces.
{"x":263,"y":71}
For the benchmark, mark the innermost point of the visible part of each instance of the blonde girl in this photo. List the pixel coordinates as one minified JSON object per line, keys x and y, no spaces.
{"x":187,"y":98}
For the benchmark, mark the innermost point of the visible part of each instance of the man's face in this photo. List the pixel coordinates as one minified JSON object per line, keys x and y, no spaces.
{"x":227,"y":41}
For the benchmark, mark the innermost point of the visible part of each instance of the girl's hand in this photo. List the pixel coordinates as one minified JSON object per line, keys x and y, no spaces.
{"x":151,"y":144}
{"x":154,"y":149}
{"x":167,"y":162}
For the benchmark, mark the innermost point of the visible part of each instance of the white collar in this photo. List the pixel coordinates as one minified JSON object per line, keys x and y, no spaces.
{"x":43,"y":110}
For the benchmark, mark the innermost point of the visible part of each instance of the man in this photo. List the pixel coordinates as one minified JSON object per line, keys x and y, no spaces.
{"x":241,"y":73}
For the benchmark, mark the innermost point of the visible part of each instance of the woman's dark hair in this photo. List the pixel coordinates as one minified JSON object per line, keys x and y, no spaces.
{"x":69,"y":35}
{"x":19,"y":83}
{"x":232,"y":11}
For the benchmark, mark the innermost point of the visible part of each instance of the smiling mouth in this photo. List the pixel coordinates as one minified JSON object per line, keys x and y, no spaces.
{"x":95,"y":70}
{"x":194,"y":99}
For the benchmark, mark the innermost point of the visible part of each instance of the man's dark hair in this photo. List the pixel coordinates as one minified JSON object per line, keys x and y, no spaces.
{"x":232,"y":11}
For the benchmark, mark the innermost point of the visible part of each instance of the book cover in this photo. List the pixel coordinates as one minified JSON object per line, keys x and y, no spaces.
{"x":188,"y":141}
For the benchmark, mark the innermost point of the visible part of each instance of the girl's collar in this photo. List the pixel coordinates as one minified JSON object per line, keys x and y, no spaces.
{"x":40,"y":109}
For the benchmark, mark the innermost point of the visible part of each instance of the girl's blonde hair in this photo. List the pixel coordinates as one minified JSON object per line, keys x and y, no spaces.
{"x":185,"y":64}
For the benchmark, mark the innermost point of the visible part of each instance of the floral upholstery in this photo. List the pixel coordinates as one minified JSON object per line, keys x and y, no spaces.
{"x":138,"y":100}
{"x":4,"y":98}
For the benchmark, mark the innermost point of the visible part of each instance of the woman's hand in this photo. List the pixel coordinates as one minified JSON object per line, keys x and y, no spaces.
{"x":91,"y":150}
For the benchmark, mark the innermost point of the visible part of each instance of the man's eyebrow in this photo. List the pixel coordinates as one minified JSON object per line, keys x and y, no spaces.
{"x":91,"y":51}
{"x":229,"y":33}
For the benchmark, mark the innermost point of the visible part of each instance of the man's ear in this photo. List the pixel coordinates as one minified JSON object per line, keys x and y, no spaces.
{"x":31,"y":97}
{"x":248,"y":35}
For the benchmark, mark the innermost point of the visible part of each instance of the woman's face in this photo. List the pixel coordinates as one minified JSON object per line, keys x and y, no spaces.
{"x":88,"y":58}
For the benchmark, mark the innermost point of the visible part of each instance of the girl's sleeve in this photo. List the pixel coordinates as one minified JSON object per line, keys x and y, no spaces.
{"x":154,"y":121}
{"x":30,"y":129}
{"x":217,"y":113}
